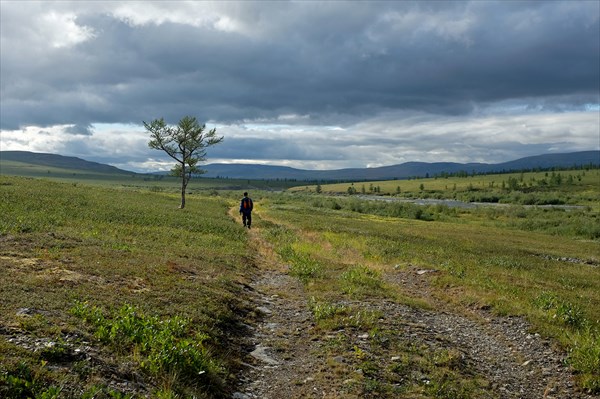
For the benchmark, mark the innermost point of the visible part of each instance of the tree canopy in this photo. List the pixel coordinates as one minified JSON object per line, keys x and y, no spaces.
{"x":186,"y":143}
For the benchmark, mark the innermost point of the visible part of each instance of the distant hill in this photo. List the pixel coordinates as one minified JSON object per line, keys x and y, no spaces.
{"x":258,"y":172}
{"x":400,"y":171}
{"x":552,"y":160}
{"x":59,"y":161}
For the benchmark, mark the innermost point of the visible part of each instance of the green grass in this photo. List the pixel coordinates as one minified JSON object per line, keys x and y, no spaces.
{"x":155,"y":276}
{"x":161,"y":346}
{"x":118,"y":268}
{"x":575,"y":187}
{"x":136,"y":181}
{"x":360,"y":281}
{"x":536,"y":263}
{"x":583,"y":222}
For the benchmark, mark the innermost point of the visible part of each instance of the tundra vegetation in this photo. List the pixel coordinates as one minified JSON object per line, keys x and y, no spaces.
{"x":552,"y":187}
{"x":114,"y":293}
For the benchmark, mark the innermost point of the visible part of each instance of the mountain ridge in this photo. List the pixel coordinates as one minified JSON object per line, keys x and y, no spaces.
{"x":400,"y":171}
{"x":59,"y":161}
{"x":271,"y":172}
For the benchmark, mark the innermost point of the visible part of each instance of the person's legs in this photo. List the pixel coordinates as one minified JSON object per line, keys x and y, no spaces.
{"x":244,"y":216}
{"x":249,"y":219}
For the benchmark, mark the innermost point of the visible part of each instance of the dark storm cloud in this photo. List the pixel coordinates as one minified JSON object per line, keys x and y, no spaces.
{"x":313,"y":84}
{"x":327,"y":60}
{"x":272,"y":149}
{"x":85,"y":130}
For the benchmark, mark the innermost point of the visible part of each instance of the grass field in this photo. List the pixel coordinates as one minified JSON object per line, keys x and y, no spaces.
{"x":135,"y":181}
{"x":549,"y":276}
{"x":108,"y":284}
{"x":554,"y":187}
{"x":104,"y":287}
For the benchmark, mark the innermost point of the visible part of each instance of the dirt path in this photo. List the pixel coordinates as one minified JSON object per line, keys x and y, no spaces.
{"x":517,"y":362}
{"x":291,"y":358}
{"x":282,"y":353}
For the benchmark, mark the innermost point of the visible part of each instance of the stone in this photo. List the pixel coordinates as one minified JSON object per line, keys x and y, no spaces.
{"x":260,"y":353}
{"x":264,"y":310}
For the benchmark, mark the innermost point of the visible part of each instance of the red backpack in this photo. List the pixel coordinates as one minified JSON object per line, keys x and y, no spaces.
{"x":247,"y":204}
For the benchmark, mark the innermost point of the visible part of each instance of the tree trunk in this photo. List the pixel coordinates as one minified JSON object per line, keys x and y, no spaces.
{"x":183,"y":187}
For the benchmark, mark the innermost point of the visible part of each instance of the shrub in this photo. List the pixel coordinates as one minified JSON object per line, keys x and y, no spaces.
{"x":165,"y":346}
{"x":562,"y":311}
{"x":304,"y":267}
{"x":361,"y":280}
{"x":585,"y":357}
{"x":324,"y":310}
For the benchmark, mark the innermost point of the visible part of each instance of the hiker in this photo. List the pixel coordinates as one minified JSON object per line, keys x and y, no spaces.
{"x":246,"y":206}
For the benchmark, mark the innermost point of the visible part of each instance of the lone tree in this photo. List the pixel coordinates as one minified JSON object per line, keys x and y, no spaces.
{"x":186,"y":143}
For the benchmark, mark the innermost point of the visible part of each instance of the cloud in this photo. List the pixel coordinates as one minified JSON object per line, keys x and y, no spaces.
{"x":85,"y":130}
{"x":386,"y":139}
{"x":294,"y":69}
{"x":400,"y":137}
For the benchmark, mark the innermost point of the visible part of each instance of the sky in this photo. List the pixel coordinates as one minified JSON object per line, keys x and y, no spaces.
{"x":306,"y":84}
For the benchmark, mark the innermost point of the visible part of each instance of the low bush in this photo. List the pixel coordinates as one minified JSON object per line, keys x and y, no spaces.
{"x":161,"y":346}
{"x":360,"y":280}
